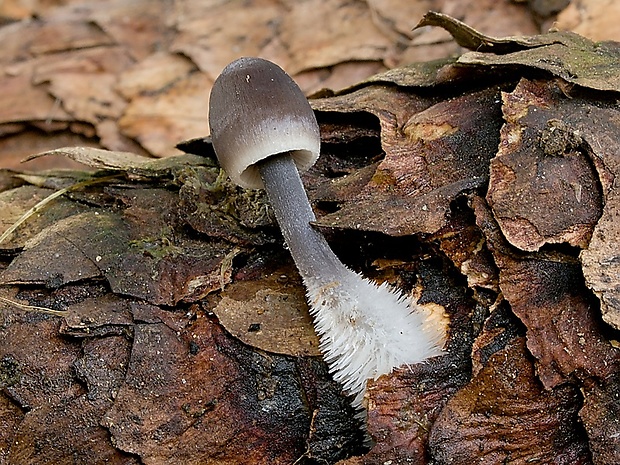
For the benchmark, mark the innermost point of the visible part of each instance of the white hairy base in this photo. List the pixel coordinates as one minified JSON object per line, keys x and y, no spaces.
{"x":366,"y":330}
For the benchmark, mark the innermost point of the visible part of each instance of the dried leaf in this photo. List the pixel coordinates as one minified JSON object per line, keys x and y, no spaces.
{"x":270,"y":314}
{"x":335,"y":41}
{"x":211,"y":204}
{"x":153,"y":74}
{"x":180,"y":414}
{"x":548,"y":294}
{"x":418,"y":74}
{"x":56,"y":247}
{"x":99,"y":315}
{"x":136,"y":257}
{"x":600,"y":418}
{"x":177,"y":112}
{"x":16,"y":202}
{"x":213,"y":34}
{"x":593,"y":19}
{"x":396,"y":17}
{"x":494,"y":418}
{"x":543,"y":165}
{"x":88,"y":97}
{"x":27,"y":103}
{"x":466,"y":36}
{"x":79,"y":432}
{"x":601,"y":262}
{"x":431,"y":158}
{"x":564,"y":54}
{"x":139,"y":25}
{"x":125,"y":161}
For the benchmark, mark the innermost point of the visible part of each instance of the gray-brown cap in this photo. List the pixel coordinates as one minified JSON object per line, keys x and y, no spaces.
{"x":256,"y":111}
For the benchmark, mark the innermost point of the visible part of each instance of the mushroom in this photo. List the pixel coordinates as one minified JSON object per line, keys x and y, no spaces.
{"x":263,"y":132}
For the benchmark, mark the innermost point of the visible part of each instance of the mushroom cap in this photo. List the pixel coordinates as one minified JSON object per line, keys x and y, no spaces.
{"x":256,"y":110}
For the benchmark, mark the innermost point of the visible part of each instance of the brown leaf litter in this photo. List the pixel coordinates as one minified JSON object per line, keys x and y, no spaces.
{"x":485,"y":186}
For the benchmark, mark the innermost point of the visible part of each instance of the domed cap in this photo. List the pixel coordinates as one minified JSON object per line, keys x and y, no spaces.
{"x":255,"y":111}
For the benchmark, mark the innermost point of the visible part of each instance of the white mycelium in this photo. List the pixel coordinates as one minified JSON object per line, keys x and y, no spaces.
{"x":366,"y":330}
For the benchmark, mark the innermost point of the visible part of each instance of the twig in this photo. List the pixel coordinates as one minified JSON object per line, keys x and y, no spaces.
{"x":33,"y":308}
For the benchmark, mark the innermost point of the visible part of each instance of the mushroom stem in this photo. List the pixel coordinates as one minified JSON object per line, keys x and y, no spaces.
{"x":287,"y":196}
{"x":365,"y":329}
